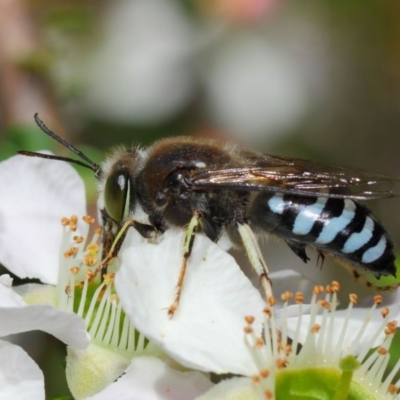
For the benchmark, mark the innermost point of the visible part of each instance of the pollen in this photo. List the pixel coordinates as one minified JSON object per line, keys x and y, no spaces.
{"x":249,"y":319}
{"x":319,"y":289}
{"x":268,"y":394}
{"x":64,"y":221}
{"x":353,"y":298}
{"x":390,"y":328}
{"x":286,"y":296}
{"x":299,"y":298}
{"x":89,"y":274}
{"x":248,"y":330}
{"x":264,"y":373}
{"x":271,"y":301}
{"x":382,"y":351}
{"x":324,"y":304}
{"x":393,"y":389}
{"x":316,"y":328}
{"x":256,"y":379}
{"x":90,"y":260}
{"x":378,"y":299}
{"x":281,"y":363}
{"x":268,"y":312}
{"x":385,"y":312}
{"x":88,"y":219}
{"x":78,"y":239}
{"x":335,"y":286}
{"x":71,"y":252}
{"x":74,"y":270}
{"x":108,"y":278}
{"x":260,"y":342}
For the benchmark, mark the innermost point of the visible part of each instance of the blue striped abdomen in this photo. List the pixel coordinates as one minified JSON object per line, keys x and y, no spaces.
{"x":341,"y":227}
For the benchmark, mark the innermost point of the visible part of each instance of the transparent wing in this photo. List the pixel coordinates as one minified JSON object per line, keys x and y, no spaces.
{"x":295,"y":176}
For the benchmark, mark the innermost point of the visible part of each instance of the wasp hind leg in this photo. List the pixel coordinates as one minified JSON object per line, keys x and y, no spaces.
{"x":255,"y":257}
{"x":186,"y":251}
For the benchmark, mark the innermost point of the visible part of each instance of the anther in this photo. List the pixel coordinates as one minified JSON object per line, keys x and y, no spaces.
{"x":64,"y":221}
{"x":393,"y":389}
{"x":267,"y":311}
{"x":378,"y":299}
{"x":74,"y":270}
{"x":88,"y":219}
{"x":271,"y":301}
{"x":353,"y":298}
{"x":316,"y":328}
{"x":71,"y":252}
{"x":335,"y":286}
{"x":78,"y":239}
{"x":381,"y":351}
{"x":318,"y":289}
{"x":385,"y":312}
{"x":264,"y":373}
{"x":108,"y":278}
{"x":249,"y":319}
{"x":280,"y":363}
{"x":324,"y":304}
{"x":299,"y":298}
{"x":268,"y":395}
{"x":286,"y":296}
{"x":259,"y":342}
{"x":90,"y":260}
{"x":90,"y":275}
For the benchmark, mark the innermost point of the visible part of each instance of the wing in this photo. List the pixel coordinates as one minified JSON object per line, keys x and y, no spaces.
{"x":294,"y":176}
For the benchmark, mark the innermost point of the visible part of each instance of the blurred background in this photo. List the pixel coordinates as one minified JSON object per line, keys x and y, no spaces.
{"x":316,"y":80}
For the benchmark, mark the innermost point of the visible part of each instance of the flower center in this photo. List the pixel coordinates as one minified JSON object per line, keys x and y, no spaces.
{"x":330,"y":359}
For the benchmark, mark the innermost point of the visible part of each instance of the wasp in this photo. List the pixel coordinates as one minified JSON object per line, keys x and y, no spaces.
{"x":220,"y":189}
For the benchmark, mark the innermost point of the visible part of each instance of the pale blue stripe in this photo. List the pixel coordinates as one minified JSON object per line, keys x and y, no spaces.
{"x":307,"y":216}
{"x":336,"y":224}
{"x":375,"y":252}
{"x":358,"y":239}
{"x":276,"y":203}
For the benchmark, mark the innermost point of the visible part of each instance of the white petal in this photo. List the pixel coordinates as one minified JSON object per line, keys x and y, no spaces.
{"x":149,"y":378}
{"x":20,"y":377}
{"x":35,"y":195}
{"x":206,"y":332}
{"x":232,"y":389}
{"x":16,"y":317}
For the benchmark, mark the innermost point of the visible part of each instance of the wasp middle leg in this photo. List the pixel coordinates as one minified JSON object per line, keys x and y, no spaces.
{"x":186,"y":252}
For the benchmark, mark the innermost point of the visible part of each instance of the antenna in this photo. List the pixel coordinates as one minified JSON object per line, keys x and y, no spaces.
{"x":90,"y":164}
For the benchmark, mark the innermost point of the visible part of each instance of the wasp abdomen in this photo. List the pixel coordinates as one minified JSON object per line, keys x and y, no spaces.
{"x":342,"y":227}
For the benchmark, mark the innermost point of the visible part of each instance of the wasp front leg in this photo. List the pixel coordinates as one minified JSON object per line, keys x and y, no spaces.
{"x":112,"y":243}
{"x":186,"y":252}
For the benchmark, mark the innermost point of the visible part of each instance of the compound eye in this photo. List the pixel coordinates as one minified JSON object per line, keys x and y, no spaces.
{"x":116,"y":193}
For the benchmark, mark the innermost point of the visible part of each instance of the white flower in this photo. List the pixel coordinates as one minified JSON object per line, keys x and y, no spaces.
{"x":328,"y":365}
{"x":34,"y":244}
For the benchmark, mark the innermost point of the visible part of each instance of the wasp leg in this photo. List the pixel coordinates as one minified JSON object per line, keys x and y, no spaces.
{"x":299,"y":249}
{"x":255,"y":257}
{"x":112,"y":251}
{"x":187,"y":250}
